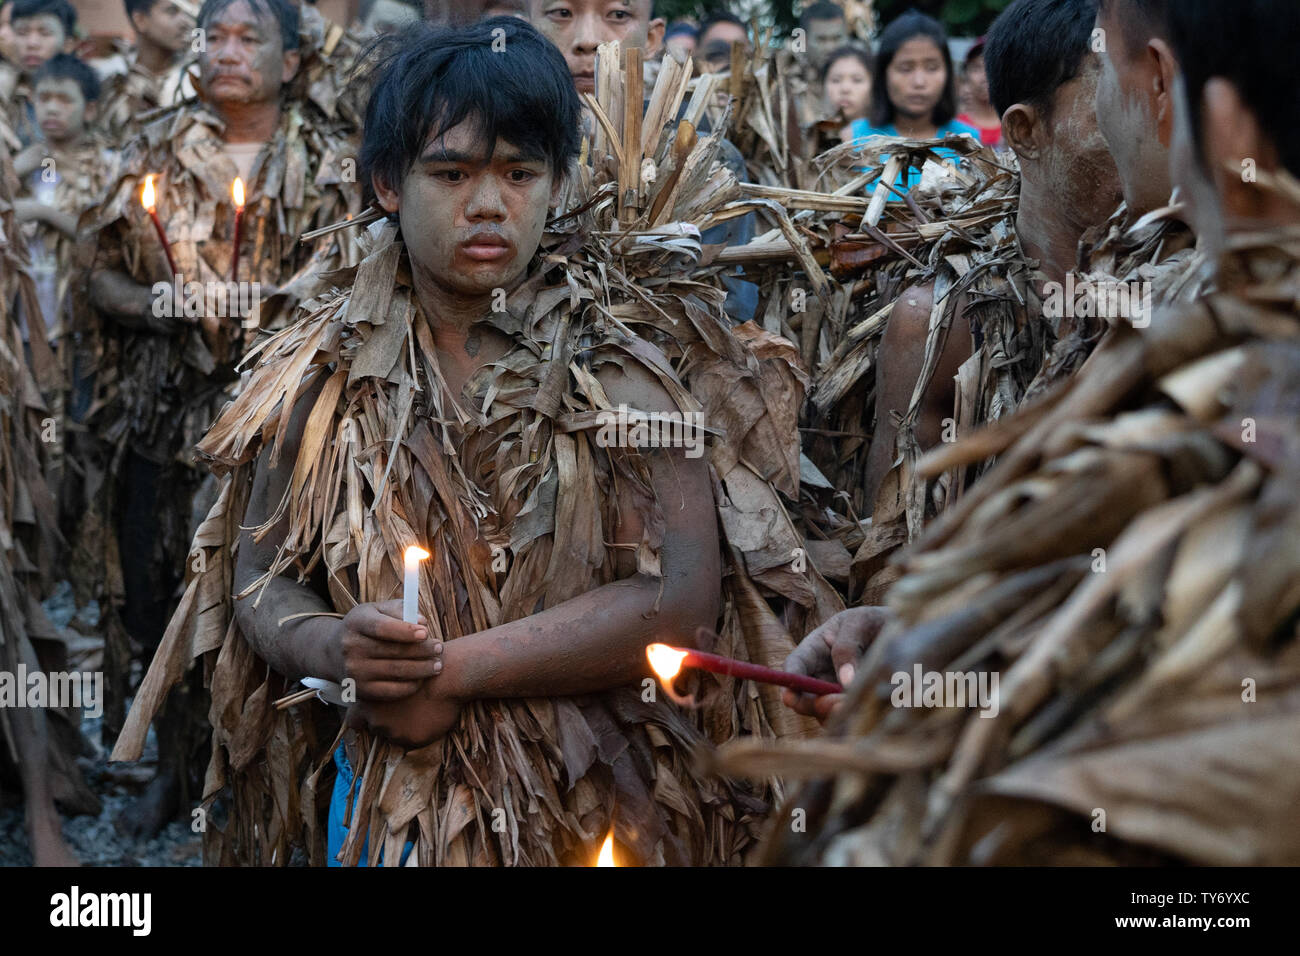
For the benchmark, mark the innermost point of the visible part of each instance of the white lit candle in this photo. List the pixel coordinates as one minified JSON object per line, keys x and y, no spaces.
{"x":411,"y":585}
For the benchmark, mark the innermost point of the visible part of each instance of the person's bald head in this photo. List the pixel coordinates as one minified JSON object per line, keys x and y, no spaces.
{"x":578,"y":27}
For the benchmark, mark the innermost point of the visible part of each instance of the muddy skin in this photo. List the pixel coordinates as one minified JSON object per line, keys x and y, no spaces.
{"x":1127,"y":111}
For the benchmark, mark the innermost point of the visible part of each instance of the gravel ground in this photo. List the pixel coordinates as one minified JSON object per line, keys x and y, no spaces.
{"x":95,"y":839}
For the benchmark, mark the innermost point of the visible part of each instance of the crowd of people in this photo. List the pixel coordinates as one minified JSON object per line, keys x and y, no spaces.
{"x":283,"y":297}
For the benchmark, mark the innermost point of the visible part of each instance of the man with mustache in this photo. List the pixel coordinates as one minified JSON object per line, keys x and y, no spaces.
{"x":167,"y":359}
{"x":449,"y":398}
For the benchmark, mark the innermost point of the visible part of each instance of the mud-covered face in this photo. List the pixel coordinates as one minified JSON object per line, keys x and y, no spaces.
{"x":848,"y":87}
{"x":165,"y":24}
{"x":244,"y":61}
{"x":60,"y":109}
{"x":824,"y":38}
{"x":471,"y":221}
{"x":1077,"y":161}
{"x":38,"y":39}
{"x":1124,"y":115}
{"x":578,"y":27}
{"x":916,"y":78}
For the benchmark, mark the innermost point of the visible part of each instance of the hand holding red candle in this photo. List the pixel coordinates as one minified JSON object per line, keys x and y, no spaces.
{"x":667,"y":662}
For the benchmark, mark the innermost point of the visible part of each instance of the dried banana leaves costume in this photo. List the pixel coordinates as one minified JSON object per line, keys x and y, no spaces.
{"x":387,"y":460}
{"x":29,"y":537}
{"x":1130,"y":568}
{"x":156,"y":394}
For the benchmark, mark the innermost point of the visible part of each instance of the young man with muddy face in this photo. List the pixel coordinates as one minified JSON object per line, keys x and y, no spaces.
{"x":578,"y":28}
{"x":1043,"y":77}
{"x":454,"y":357}
{"x":174,"y":352}
{"x":1221,"y":373}
{"x":1134,"y":113}
{"x":163,"y":31}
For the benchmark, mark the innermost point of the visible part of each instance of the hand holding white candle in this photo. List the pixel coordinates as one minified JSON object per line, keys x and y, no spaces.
{"x":411,"y":584}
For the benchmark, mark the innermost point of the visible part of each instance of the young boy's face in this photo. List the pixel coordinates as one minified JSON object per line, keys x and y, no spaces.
{"x":471,"y":222}
{"x":38,"y":38}
{"x":60,"y":109}
{"x":165,"y":24}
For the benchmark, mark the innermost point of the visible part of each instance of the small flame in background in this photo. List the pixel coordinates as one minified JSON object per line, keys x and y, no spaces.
{"x":666,"y":661}
{"x":606,"y":857}
{"x":147,"y":196}
{"x":413,"y":553}
{"x":237,"y":192}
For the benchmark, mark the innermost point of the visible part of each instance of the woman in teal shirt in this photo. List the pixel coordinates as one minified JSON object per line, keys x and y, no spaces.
{"x":913,"y":94}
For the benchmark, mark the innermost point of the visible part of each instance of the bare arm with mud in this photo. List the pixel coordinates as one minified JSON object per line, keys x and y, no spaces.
{"x":596,"y":640}
{"x":371,"y":644}
{"x":899,"y":361}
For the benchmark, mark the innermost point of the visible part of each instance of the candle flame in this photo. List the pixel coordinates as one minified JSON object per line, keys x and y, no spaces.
{"x":606,"y":857}
{"x":147,"y":197}
{"x":237,"y":192}
{"x":414,"y":553}
{"x":666,"y":661}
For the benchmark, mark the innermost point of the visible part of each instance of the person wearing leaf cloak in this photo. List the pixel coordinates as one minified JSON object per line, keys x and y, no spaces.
{"x":169,"y":344}
{"x":993,"y":328}
{"x":1129,"y":567}
{"x":452,"y":397}
{"x":162,"y":35}
{"x":40,"y":743}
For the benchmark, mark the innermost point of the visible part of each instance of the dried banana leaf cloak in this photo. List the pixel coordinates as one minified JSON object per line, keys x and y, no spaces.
{"x":376,"y":473}
{"x":1129,"y":568}
{"x":30,"y":542}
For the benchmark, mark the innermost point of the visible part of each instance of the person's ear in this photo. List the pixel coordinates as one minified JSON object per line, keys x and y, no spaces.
{"x":88,"y":114}
{"x":654,"y":37}
{"x":290,"y":69}
{"x":136,"y":19}
{"x":557,"y":188}
{"x":69,"y":44}
{"x":1020,"y":129}
{"x":1230,"y":135}
{"x":1162,"y":92}
{"x":388,"y":197}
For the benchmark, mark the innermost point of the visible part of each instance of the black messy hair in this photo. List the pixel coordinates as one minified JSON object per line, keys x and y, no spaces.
{"x":910,"y":25}
{"x":1034,"y":48}
{"x":500,"y":73}
{"x":65,"y":66}
{"x":1251,"y":44}
{"x":62,"y":10}
{"x":284,"y":12}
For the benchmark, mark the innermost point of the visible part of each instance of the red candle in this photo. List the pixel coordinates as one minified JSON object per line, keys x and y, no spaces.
{"x":149,"y":200}
{"x":237,"y":194}
{"x":667,"y":661}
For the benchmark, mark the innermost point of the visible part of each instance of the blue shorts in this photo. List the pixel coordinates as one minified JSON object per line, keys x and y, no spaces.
{"x":336,"y":832}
